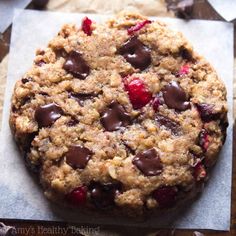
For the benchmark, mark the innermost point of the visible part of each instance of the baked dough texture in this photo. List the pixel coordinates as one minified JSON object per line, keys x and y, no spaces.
{"x":122,"y":116}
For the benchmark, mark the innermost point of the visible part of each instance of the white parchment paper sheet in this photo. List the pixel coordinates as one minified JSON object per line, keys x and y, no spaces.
{"x":226,"y":8}
{"x":22,"y":198}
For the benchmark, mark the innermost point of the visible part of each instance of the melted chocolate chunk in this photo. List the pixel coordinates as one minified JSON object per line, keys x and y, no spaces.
{"x":46,"y":115}
{"x":148,"y":162}
{"x":207,"y":112}
{"x":169,"y":124}
{"x":81,"y":97}
{"x":103,"y":195}
{"x":185,"y":54}
{"x":136,"y":53}
{"x":76,"y":65}
{"x":175,"y":97}
{"x":114,"y":117}
{"x":78,"y":156}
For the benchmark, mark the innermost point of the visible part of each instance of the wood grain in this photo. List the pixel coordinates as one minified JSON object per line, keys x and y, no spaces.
{"x":202,"y":10}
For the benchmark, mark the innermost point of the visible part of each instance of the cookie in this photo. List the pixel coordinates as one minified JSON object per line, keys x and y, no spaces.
{"x":122,"y":116}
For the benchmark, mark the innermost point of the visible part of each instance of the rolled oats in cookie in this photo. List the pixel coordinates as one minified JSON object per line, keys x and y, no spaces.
{"x":122,"y":116}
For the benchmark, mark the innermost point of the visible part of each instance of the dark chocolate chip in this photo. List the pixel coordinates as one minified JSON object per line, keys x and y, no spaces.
{"x":7,"y":230}
{"x":136,"y":53}
{"x":26,"y":80}
{"x":46,"y":115}
{"x":207,"y":112}
{"x":78,"y":156}
{"x":115,"y":117}
{"x":185,"y":54}
{"x":168,"y":123}
{"x":40,"y":3}
{"x":81,"y":97}
{"x":103,"y":195}
{"x":175,"y":97}
{"x":182,"y":8}
{"x":148,"y":162}
{"x":76,"y":65}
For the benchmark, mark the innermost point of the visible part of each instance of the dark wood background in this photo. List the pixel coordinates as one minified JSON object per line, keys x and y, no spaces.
{"x":201,"y":10}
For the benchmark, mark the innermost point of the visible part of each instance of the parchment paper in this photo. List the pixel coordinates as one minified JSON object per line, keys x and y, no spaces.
{"x":22,"y":198}
{"x":226,"y":8}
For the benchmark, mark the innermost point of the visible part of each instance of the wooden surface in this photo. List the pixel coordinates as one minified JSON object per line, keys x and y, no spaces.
{"x":202,"y":10}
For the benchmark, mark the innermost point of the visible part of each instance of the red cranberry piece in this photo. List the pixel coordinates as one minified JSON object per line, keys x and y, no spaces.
{"x":138,"y":93}
{"x":157,"y":101}
{"x":138,"y":26}
{"x":165,"y":196}
{"x":86,"y":26}
{"x":184,"y":70}
{"x":199,"y":171}
{"x":78,"y":196}
{"x":204,"y":140}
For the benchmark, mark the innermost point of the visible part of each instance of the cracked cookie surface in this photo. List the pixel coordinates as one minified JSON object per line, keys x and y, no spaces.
{"x":121,"y":116}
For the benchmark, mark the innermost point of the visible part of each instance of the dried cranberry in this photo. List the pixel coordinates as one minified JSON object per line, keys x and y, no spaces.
{"x":165,"y":196}
{"x":204,"y":140}
{"x":77,"y":196}
{"x":184,"y":70}
{"x":157,"y":101}
{"x":199,"y":172}
{"x":138,"y":26}
{"x":138,"y":93}
{"x":86,"y":26}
